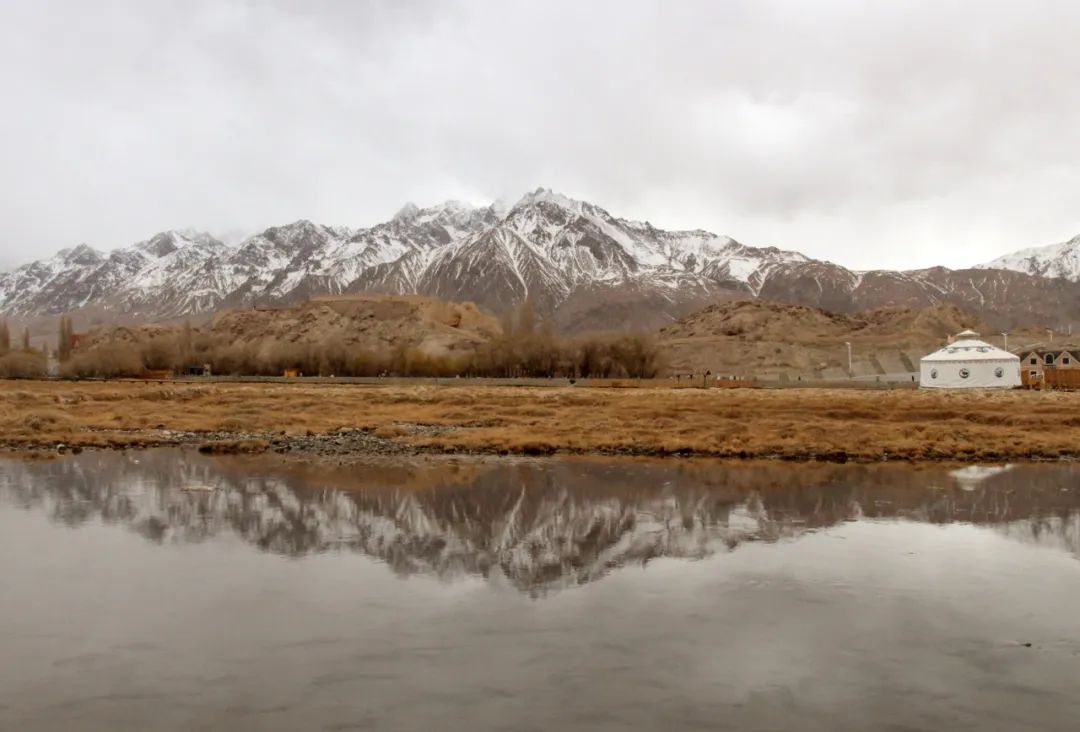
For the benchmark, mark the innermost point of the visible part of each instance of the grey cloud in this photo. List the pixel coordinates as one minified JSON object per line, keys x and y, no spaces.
{"x":873,"y":134}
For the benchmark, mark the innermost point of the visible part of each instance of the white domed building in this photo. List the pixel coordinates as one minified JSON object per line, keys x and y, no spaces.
{"x":968,"y":363}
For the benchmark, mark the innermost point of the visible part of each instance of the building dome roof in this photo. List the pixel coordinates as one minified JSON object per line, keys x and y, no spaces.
{"x":970,"y":349}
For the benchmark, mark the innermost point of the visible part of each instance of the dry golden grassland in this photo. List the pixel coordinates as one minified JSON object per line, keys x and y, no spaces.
{"x":789,"y":423}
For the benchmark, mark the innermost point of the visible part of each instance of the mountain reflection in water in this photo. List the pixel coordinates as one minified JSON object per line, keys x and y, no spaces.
{"x":539,"y":524}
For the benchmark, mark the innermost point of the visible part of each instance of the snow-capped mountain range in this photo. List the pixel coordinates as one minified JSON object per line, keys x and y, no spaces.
{"x":575,"y":261}
{"x":1056,"y":260}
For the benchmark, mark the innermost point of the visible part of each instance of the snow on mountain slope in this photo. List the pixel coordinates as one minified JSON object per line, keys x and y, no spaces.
{"x":560,"y":252}
{"x":544,"y":246}
{"x":45,"y":281}
{"x":178,"y":275}
{"x":413,"y":235}
{"x":1056,"y":260}
{"x":172,"y":273}
{"x":496,"y":268}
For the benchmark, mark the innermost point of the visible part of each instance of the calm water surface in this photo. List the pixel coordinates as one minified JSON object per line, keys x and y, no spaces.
{"x":171,"y":591}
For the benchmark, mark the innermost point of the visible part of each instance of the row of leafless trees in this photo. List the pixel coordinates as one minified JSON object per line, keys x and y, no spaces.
{"x":527,"y":348}
{"x":524,"y":349}
{"x":5,"y":338}
{"x":22,"y":362}
{"x":596,"y":357}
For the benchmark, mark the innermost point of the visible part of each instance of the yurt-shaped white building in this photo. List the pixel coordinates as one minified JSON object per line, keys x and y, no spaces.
{"x":968,"y":363}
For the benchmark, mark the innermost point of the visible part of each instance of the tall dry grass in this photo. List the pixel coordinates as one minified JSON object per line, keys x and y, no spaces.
{"x":796,"y":424}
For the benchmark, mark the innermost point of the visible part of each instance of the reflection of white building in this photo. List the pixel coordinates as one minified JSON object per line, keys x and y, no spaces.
{"x":968,"y":362}
{"x":970,"y":477}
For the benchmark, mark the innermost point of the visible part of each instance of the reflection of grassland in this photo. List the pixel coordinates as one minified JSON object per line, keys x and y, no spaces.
{"x":795,"y":423}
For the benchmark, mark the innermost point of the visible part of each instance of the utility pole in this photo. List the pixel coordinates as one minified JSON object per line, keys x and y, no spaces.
{"x":850,"y":371}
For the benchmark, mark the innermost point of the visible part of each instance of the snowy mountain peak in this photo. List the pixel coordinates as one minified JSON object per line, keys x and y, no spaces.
{"x":81,"y":255}
{"x":159,"y":245}
{"x":167,"y":242}
{"x":407,"y":212}
{"x":448,"y":210}
{"x":298,"y":226}
{"x":501,"y":207}
{"x":1055,"y":260}
{"x":546,"y":195}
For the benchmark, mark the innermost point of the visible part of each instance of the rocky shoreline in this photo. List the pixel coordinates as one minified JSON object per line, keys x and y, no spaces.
{"x":354,"y":444}
{"x":342,"y":443}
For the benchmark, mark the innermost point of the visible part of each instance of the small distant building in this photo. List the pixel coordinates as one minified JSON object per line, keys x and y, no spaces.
{"x":157,"y":375}
{"x":1041,"y":365}
{"x":1038,"y":360}
{"x":292,"y":374}
{"x":967,"y":363}
{"x":203,"y":370}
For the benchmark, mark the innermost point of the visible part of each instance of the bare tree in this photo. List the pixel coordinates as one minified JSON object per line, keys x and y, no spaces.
{"x":65,"y":340}
{"x":526,"y":319}
{"x":187,"y":344}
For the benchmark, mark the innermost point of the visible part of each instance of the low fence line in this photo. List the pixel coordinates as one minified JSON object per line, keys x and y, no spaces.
{"x":683,"y":382}
{"x":1051,"y":377}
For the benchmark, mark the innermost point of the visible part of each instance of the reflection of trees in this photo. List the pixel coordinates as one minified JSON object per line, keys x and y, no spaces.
{"x":539,"y":524}
{"x":1055,"y":532}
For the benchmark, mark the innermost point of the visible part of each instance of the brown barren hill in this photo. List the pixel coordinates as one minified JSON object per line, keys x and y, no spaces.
{"x":377,"y":323}
{"x":373,"y":322}
{"x":766,"y":339}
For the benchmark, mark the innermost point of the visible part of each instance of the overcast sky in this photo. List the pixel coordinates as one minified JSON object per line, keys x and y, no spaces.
{"x":874,"y":134}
